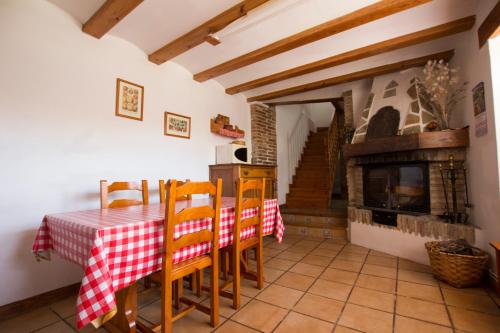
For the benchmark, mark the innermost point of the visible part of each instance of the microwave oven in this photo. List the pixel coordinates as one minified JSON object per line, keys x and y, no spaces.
{"x":232,"y":153}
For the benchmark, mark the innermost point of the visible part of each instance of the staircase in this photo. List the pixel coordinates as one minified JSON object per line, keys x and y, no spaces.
{"x":310,"y":186}
{"x":309,"y":209}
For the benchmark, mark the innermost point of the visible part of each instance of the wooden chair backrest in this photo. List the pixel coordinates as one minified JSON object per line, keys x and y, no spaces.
{"x":123,"y":186}
{"x":163,"y":191}
{"x":172,"y":218}
{"x":250,"y":193}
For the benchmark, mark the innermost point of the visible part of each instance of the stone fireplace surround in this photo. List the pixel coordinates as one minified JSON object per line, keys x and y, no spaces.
{"x":433,"y":148}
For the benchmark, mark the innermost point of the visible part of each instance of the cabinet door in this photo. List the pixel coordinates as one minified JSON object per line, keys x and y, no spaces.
{"x":226,"y":174}
{"x":269,"y":188}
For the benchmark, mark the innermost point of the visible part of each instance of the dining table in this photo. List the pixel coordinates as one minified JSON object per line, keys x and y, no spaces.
{"x":116,"y":247}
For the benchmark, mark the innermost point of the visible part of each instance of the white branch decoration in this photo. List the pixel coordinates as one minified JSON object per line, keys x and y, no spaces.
{"x":441,"y":82}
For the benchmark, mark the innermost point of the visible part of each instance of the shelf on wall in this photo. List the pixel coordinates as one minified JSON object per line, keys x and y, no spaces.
{"x":220,"y":130}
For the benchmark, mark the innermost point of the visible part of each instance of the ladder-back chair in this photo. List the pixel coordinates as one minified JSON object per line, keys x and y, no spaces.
{"x":163,"y":191}
{"x":174,"y":273}
{"x":197,"y":278}
{"x":249,"y":195}
{"x":107,"y":188}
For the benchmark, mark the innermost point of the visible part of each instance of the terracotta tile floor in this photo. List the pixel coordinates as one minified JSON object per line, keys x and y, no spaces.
{"x":315,"y":285}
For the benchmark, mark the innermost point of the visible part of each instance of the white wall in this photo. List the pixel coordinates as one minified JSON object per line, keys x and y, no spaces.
{"x":321,"y":114}
{"x":286,"y":118}
{"x":59,"y":134}
{"x":393,"y":241}
{"x":474,"y":65}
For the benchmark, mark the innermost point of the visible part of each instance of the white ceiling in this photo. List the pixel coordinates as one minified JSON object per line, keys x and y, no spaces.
{"x":156,"y":22}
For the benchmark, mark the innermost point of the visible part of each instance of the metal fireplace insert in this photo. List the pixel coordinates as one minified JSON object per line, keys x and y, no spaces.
{"x":389,"y":189}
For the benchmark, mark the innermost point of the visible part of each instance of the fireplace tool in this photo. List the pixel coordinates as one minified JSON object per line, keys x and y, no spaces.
{"x":449,"y":177}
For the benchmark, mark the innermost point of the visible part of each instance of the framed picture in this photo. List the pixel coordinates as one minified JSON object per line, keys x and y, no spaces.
{"x":129,"y":100}
{"x":481,"y":122}
{"x":177,"y":125}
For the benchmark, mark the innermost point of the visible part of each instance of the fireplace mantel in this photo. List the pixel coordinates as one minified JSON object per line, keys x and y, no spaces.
{"x":457,"y":138}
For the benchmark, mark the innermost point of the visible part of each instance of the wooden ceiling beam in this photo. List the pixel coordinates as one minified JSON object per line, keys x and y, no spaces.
{"x":490,"y":27}
{"x":307,"y":101}
{"x":418,"y":37}
{"x":106,"y":17}
{"x":203,"y":32}
{"x":371,"y":72}
{"x":354,"y":19}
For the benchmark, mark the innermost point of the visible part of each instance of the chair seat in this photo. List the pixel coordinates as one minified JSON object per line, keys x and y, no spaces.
{"x":185,"y":267}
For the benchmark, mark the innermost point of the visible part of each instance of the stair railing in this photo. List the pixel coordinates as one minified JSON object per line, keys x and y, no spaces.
{"x":334,"y":140}
{"x":296,"y":142}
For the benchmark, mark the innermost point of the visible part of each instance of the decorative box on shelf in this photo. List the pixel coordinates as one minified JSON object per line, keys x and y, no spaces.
{"x":220,"y":125}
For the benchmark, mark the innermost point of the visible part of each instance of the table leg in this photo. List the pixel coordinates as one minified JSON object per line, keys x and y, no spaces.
{"x":498,"y":271}
{"x":126,"y":306}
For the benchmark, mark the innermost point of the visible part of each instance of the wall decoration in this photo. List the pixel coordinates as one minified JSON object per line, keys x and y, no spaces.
{"x":129,"y":100}
{"x":177,"y":125}
{"x":441,"y":82}
{"x":481,"y":123}
{"x":220,"y":125}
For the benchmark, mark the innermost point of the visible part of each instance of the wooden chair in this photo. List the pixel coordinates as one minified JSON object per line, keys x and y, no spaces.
{"x":250,"y":194}
{"x":174,"y":273}
{"x":123,"y":186}
{"x":163,"y":191}
{"x":196,"y":280}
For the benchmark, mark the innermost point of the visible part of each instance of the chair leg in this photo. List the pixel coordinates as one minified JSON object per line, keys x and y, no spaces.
{"x":192,"y":281}
{"x":147,"y":282}
{"x":225,"y":265}
{"x":175,"y":287}
{"x":199,"y":282}
{"x":166,"y":300}
{"x":260,"y":265}
{"x":236,"y":279}
{"x":214,"y":294}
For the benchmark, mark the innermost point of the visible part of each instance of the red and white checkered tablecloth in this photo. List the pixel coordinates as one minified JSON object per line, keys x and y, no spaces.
{"x":118,"y":246}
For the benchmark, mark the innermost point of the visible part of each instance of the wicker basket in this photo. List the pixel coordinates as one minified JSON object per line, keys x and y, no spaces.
{"x":455,"y":269}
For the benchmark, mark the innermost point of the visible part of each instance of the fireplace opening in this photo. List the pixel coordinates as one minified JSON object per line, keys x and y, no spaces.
{"x":396,"y":188}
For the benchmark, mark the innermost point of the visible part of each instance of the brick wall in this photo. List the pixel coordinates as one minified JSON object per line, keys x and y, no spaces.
{"x":263,"y":126}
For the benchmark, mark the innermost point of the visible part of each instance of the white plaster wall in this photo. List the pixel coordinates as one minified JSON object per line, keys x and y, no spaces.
{"x":395,"y":242}
{"x":320,"y":113}
{"x":475,"y":66}
{"x":286,"y":118}
{"x":59,"y":134}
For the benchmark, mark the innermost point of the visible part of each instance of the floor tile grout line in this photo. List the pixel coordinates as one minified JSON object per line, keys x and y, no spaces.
{"x":395,"y":298}
{"x":255,"y":298}
{"x":61,"y":319}
{"x":349,"y":296}
{"x":452,"y":324}
{"x":315,"y":279}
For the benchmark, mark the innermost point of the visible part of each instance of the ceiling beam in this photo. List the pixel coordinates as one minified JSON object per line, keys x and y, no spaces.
{"x":307,"y":101}
{"x":421,"y":36}
{"x":106,"y":17}
{"x":203,"y":32}
{"x":354,"y":19}
{"x":371,"y":72}
{"x":490,"y":27}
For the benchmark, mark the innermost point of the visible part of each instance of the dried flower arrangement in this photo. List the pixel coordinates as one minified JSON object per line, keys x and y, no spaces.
{"x":443,"y":91}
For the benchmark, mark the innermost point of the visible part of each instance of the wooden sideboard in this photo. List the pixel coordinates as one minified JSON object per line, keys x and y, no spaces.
{"x":229,"y":173}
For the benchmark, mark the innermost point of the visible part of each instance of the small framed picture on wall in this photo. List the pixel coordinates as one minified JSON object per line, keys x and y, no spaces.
{"x":177,"y":125}
{"x":129,"y":100}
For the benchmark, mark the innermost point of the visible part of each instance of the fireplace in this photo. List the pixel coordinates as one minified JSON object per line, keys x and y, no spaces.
{"x":394,"y":188}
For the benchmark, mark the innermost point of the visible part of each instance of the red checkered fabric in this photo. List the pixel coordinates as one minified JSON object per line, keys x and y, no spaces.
{"x":116,"y":247}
